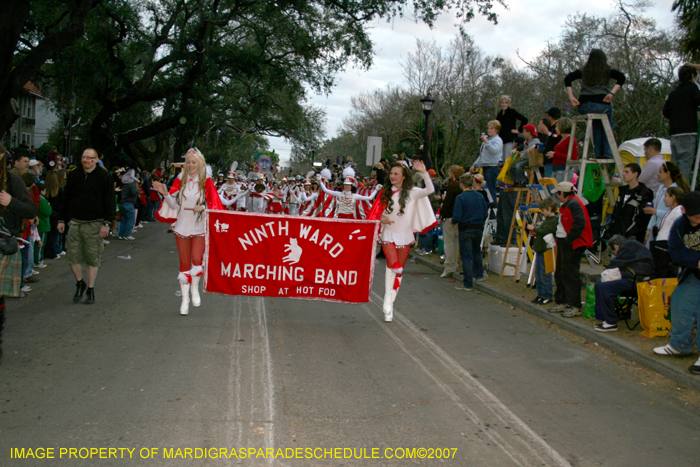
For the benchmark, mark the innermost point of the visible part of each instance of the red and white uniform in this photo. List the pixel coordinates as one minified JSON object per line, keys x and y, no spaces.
{"x":186,"y":222}
{"x":346,"y":202}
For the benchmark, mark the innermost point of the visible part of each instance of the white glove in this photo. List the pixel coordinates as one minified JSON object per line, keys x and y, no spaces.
{"x":550,"y":241}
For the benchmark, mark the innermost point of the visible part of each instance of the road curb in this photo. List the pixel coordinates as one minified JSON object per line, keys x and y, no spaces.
{"x":620,"y":346}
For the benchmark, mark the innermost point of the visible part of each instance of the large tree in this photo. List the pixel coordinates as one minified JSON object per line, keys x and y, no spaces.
{"x":689,"y":19}
{"x":142,"y":68}
{"x":30,"y":33}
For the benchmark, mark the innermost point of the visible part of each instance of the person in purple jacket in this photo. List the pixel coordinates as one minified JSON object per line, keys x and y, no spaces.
{"x":684,"y":249}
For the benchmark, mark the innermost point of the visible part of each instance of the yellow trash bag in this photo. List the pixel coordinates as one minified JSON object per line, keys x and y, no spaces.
{"x":655,"y":306}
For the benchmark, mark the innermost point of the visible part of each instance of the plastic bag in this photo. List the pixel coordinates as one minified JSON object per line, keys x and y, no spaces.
{"x":655,"y":306}
{"x":504,"y":175}
{"x":593,"y":183}
{"x":609,"y":275}
{"x":589,"y":309}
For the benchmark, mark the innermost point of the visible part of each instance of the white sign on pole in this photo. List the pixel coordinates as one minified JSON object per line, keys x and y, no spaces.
{"x":374,"y":150}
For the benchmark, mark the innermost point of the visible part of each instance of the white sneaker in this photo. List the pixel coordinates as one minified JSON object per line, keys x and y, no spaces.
{"x":35,"y":272}
{"x":41,"y":265}
{"x":26,"y":289}
{"x":666,"y":350}
{"x":106,"y":242}
{"x":445,"y":274}
{"x":63,"y":253}
{"x":129,"y":238}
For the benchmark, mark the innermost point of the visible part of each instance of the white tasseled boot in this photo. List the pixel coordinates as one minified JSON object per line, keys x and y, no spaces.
{"x":196,"y":273}
{"x":185,"y":289}
{"x":389,"y":295}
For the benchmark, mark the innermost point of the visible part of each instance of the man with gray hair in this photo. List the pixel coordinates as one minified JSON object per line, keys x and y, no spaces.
{"x":632,"y":262}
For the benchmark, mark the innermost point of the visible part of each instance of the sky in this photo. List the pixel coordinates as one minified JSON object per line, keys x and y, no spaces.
{"x":521,"y":29}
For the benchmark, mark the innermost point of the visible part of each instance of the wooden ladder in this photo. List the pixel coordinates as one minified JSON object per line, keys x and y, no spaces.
{"x":534,"y":192}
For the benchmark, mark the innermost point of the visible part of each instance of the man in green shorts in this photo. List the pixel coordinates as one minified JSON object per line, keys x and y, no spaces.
{"x":89,"y":207}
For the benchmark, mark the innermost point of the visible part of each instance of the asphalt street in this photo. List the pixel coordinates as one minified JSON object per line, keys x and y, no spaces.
{"x":459,"y":378}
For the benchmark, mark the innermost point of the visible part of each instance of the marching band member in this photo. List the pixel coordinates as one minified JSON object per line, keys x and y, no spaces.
{"x":347,"y":200}
{"x":230,"y":192}
{"x":275,"y":205}
{"x":241,"y":203}
{"x":402,"y":209}
{"x":259,"y":198}
{"x":325,"y":205}
{"x":309,"y":197}
{"x":191,"y":193}
{"x":294,"y":198}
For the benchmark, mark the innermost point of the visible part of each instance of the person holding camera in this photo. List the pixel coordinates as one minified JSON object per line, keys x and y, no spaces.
{"x":490,"y":156}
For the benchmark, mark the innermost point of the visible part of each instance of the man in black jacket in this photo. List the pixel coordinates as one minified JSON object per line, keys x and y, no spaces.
{"x":633,"y":261}
{"x":681,"y":109}
{"x":89,"y":205}
{"x":629,"y":219}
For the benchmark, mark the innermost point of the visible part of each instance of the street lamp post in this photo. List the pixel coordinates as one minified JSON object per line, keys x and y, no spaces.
{"x":427,"y":104}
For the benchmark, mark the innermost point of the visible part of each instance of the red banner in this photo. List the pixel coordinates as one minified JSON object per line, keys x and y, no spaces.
{"x":290,"y":256}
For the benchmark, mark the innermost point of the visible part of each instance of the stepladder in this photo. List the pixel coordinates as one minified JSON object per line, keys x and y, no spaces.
{"x":526,"y":208}
{"x":584,"y":159}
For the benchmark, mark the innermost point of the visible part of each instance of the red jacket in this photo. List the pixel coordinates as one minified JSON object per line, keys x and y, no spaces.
{"x":577,"y":225}
{"x":561,"y":149}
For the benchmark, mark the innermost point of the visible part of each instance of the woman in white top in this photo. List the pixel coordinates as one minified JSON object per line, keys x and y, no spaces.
{"x":659,"y":246}
{"x":191,"y":194}
{"x":404,"y":209}
{"x":669,"y":175}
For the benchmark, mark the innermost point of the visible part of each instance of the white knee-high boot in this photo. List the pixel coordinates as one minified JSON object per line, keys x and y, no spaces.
{"x":399,"y":277}
{"x":196,"y":273}
{"x":389,"y":295}
{"x":185,"y":289}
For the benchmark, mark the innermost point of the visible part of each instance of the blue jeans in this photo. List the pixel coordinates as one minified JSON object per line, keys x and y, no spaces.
{"x":683,"y":150}
{"x":425,"y":241}
{"x":558,"y":171}
{"x":470,"y":251}
{"x":28,"y":266}
{"x":685,"y":315}
{"x":491,"y":176}
{"x":600,"y":141}
{"x":151,"y":210}
{"x":542,"y":279}
{"x":605,"y":296}
{"x":128,"y":217}
{"x":58,"y":247}
{"x":548,"y":170}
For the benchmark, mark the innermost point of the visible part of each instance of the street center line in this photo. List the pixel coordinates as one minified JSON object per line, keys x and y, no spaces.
{"x":537,"y":446}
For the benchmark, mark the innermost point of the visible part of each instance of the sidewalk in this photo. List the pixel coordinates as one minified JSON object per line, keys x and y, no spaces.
{"x":631,"y":345}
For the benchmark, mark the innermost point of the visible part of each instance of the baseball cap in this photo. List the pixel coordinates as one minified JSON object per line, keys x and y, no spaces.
{"x":33,"y":162}
{"x":432,"y":172}
{"x":563,"y":187}
{"x":531,"y":128}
